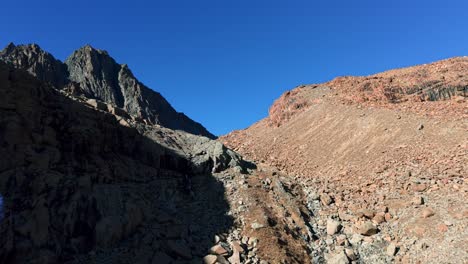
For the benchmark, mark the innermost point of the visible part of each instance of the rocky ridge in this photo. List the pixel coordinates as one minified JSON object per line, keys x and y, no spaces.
{"x":338,"y":181}
{"x":85,"y":182}
{"x":385,"y":180}
{"x":435,"y":89}
{"x":94,"y":74}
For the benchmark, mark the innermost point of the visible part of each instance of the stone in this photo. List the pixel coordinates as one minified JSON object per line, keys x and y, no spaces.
{"x":427,"y":212}
{"x":235,"y":258}
{"x":388,"y":217}
{"x":355,"y":239}
{"x":314,"y":196}
{"x":218,"y":250}
{"x":339,"y":258}
{"x":256,"y":225}
{"x":236,"y":247}
{"x":341,"y":240}
{"x":117,"y":111}
{"x":221,"y":260}
{"x":417,"y":200}
{"x":344,"y":216}
{"x":97,"y":104}
{"x":419,"y":187}
{"x":350,"y":254}
{"x":367,"y":229}
{"x":252,"y":241}
{"x":210,"y":259}
{"x":326,"y":199}
{"x":333,"y":226}
{"x":367,"y":213}
{"x":379,"y":218}
{"x":391,"y":249}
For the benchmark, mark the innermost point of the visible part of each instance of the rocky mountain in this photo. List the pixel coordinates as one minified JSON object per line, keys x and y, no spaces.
{"x":86,"y":183}
{"x":356,"y":170}
{"x":382,"y":160}
{"x":92,"y":73}
{"x":37,"y":62}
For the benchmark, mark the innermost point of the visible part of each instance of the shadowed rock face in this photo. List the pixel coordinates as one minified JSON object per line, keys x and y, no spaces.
{"x":82,"y":184}
{"x":1,"y":207}
{"x":94,"y":74}
{"x":37,"y":62}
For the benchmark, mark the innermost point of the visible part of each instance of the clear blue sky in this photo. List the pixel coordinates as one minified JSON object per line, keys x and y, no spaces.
{"x":224,"y":62}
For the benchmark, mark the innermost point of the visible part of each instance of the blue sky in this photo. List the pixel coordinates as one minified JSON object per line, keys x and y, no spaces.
{"x":224,"y":62}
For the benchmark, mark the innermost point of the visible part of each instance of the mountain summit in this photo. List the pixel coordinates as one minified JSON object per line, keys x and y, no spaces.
{"x":94,"y":74}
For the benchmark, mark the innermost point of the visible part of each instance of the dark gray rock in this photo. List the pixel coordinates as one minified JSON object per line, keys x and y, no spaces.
{"x":78,"y":186}
{"x":100,"y":76}
{"x":37,"y":62}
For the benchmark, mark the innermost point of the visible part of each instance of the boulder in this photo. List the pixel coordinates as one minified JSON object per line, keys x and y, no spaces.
{"x":367,"y":229}
{"x":333,"y":226}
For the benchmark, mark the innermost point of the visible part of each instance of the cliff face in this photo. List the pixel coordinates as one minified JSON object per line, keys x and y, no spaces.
{"x":92,"y":73}
{"x":82,"y":176}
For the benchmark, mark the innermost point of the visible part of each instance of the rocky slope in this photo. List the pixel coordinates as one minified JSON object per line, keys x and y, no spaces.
{"x":381,"y":160}
{"x":344,"y":173}
{"x":94,"y":74}
{"x":434,"y":89}
{"x":84,"y":182}
{"x":87,"y":183}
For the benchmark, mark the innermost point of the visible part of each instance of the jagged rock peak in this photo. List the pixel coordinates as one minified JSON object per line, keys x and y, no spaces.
{"x":87,"y":49}
{"x":8,"y":48}
{"x":102,"y":77}
{"x":97,"y":75}
{"x":26,"y":48}
{"x":36,"y":61}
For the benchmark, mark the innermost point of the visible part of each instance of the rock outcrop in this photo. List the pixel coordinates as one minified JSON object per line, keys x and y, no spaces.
{"x":94,"y":74}
{"x":84,"y":182}
{"x":37,"y":62}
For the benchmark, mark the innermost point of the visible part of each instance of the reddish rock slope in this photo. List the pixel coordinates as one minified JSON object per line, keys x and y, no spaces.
{"x":382,"y":151}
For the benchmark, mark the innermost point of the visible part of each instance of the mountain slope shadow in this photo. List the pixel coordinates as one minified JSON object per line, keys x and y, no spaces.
{"x":82,"y":186}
